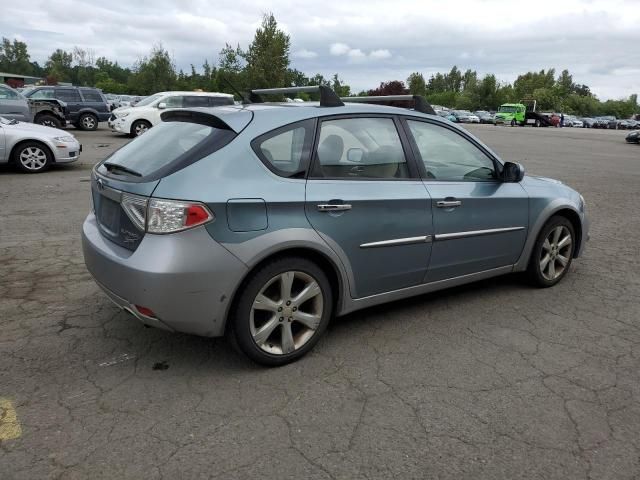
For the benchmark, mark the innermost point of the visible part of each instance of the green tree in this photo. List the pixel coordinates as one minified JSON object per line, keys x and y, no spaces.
{"x":268,"y":55}
{"x":154,"y":73}
{"x":417,"y":84}
{"x":14,"y":57}
{"x":58,"y":65}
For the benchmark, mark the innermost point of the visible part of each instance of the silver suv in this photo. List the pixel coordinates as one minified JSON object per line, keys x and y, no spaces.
{"x":267,"y":219}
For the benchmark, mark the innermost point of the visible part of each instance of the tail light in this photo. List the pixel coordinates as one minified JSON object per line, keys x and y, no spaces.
{"x":164,"y":216}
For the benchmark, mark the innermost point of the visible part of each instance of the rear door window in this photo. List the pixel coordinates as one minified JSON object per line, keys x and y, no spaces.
{"x":68,"y":95}
{"x":195,"y":101}
{"x":92,"y":96}
{"x":220,"y":101}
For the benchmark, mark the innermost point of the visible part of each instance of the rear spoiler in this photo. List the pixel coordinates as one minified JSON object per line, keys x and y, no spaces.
{"x":224,"y":118}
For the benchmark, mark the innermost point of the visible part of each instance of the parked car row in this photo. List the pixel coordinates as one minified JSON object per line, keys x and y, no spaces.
{"x":117,"y":101}
{"x":135,"y":121}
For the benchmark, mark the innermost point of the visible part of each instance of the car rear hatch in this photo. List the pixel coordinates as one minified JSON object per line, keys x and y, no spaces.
{"x":123,"y":183}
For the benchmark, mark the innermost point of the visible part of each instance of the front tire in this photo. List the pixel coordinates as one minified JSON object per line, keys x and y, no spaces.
{"x":282,"y":311}
{"x":32,"y":157}
{"x":139,"y":127}
{"x":48,"y":120}
{"x":513,"y":122}
{"x":552,"y":253}
{"x":88,"y":122}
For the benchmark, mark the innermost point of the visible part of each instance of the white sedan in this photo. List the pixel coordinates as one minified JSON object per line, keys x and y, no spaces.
{"x":33,"y":148}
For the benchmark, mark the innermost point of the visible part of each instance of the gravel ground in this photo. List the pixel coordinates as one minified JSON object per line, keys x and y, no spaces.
{"x":487,"y":381}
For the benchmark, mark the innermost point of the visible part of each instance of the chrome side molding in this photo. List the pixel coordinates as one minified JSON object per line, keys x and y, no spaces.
{"x":398,"y":241}
{"x":475,"y":233}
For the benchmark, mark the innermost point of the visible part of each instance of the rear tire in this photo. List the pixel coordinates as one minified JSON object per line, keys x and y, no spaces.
{"x":88,"y":122}
{"x":552,"y":253}
{"x":48,"y":120}
{"x":282,"y":311}
{"x":32,"y":157}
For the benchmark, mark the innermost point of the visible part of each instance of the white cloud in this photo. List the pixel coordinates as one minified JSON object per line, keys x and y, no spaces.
{"x":594,"y":39}
{"x":304,"y":53}
{"x":380,"y":54}
{"x":355,"y":53}
{"x":338,"y":49}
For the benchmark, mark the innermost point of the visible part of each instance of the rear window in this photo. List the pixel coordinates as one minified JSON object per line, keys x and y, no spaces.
{"x":165,"y":149}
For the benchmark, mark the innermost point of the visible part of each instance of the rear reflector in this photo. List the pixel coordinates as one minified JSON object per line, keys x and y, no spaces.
{"x":147,"y":312}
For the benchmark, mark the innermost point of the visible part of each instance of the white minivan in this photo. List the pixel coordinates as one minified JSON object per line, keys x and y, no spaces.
{"x":136,"y":120}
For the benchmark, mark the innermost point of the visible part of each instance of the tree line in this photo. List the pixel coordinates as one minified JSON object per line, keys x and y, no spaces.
{"x":265,"y":62}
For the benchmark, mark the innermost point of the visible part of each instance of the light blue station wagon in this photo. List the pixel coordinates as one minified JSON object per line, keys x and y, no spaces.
{"x":266,"y":220}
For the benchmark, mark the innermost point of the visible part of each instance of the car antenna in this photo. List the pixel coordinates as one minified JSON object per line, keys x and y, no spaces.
{"x":235,"y":90}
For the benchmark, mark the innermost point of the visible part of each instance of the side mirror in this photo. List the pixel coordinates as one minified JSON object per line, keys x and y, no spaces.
{"x":355,"y":155}
{"x":512,"y":172}
{"x":162,"y":105}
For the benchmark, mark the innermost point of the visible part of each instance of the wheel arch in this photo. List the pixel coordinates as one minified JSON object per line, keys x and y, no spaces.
{"x":328,"y":266}
{"x":554,"y":209}
{"x":14,"y":149}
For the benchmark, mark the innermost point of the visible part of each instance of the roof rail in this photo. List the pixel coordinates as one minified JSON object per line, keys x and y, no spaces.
{"x":420,"y":103}
{"x":328,"y":97}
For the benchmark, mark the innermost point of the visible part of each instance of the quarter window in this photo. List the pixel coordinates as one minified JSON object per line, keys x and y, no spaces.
{"x":286,"y":150}
{"x":360,"y":148}
{"x":449,"y":156}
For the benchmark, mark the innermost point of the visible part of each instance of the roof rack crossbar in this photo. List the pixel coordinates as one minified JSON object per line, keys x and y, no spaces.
{"x":328,"y":97}
{"x":420,"y":103}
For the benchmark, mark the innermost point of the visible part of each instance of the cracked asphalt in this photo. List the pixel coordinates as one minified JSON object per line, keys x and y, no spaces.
{"x":488,"y":381}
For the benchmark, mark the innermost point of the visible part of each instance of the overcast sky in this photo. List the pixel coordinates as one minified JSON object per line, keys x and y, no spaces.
{"x":366,"y":42}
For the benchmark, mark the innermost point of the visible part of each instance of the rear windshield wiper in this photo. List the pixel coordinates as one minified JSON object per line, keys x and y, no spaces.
{"x":111,"y":167}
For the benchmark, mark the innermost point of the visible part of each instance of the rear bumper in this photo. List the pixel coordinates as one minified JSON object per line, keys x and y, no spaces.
{"x":186,"y":278}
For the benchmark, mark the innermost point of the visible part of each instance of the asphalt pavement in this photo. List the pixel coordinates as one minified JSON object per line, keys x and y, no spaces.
{"x":495,"y":380}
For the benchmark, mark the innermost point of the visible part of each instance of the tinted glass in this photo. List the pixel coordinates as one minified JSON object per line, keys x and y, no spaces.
{"x":166,"y":143}
{"x":92,"y":96}
{"x":67,"y":95}
{"x":449,"y":156}
{"x":174,"y":101}
{"x":360,"y":148}
{"x":195,"y":101}
{"x":285,"y":150}
{"x":219,"y":101}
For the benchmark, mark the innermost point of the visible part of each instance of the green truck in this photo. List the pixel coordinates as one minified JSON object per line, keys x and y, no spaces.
{"x":521,"y":114}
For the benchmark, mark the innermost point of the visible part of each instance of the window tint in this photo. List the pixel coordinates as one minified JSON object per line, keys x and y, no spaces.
{"x":195,"y":101}
{"x":219,"y":101}
{"x":67,"y":95}
{"x":449,"y":156}
{"x":174,"y":101}
{"x":286,"y":150}
{"x":91,"y":96}
{"x":360,"y":148}
{"x":168,"y":143}
{"x":8,"y":94}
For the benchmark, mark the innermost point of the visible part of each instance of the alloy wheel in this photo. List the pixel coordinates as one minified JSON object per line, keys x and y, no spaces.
{"x":88,"y":122}
{"x":556,"y":253}
{"x":33,"y":158}
{"x":286,"y":312}
{"x":140,"y":128}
